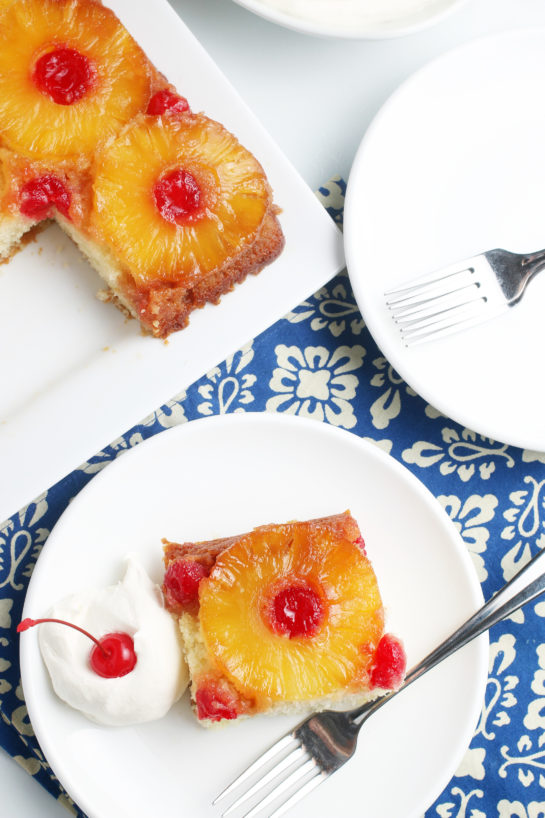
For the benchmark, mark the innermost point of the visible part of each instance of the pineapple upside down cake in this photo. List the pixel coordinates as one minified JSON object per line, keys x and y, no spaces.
{"x":165,"y":203}
{"x":285,"y":617}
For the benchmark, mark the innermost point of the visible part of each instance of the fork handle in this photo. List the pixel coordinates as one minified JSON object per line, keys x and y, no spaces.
{"x":502,"y":604}
{"x":533,"y":263}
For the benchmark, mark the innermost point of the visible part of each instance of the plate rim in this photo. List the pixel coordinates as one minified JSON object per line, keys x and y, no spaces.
{"x":29,"y":649}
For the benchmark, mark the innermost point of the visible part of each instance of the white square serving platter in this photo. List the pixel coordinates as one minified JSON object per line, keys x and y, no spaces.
{"x":74,"y":372}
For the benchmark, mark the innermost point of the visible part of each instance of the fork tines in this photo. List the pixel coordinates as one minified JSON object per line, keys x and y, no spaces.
{"x":287,"y":774}
{"x":447,"y":300}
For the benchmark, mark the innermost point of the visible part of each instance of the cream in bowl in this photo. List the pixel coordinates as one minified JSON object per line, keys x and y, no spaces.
{"x":371,"y":19}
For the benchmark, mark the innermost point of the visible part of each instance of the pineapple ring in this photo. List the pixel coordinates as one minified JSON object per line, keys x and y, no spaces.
{"x":30,"y":121}
{"x":235,"y":194}
{"x":262,"y":663}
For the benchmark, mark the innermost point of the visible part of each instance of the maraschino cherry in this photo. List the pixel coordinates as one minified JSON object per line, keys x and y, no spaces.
{"x":389,"y":663}
{"x":166,"y":102}
{"x":178,"y":196}
{"x":296,"y":610}
{"x":112,"y":656}
{"x":39,"y":195}
{"x":64,"y":75}
{"x":181,"y":584}
{"x":215,"y":702}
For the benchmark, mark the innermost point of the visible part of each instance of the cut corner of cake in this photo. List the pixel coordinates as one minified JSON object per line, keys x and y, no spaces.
{"x":165,"y":203}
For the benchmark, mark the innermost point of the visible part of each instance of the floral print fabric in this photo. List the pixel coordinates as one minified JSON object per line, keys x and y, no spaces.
{"x":320,"y":361}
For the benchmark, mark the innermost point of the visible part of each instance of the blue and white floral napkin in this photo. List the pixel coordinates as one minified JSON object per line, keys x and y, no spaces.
{"x":493,"y":492}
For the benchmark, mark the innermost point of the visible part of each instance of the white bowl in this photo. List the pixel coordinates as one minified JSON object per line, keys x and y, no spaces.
{"x":352,"y":24}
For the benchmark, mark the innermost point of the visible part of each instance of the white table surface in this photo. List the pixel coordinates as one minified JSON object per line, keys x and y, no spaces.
{"x":316,"y":97}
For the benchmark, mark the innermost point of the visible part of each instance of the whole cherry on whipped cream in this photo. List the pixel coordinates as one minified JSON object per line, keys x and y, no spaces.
{"x":107,"y":684}
{"x":112,"y":656}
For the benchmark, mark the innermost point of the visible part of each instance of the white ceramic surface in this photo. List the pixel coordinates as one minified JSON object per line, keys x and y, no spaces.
{"x":75,"y":372}
{"x":452,"y":166}
{"x":219,"y":476}
{"x":394,"y":25}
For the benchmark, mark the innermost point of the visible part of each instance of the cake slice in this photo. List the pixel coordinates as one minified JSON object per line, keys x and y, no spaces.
{"x":285,"y":617}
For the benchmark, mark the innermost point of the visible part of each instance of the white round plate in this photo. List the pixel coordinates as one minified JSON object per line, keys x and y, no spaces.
{"x":453,"y":166}
{"x":220,"y":476}
{"x":331,"y":18}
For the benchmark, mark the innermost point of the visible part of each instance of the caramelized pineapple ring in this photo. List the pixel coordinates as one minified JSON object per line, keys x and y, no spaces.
{"x":41,"y":42}
{"x":237,"y":609}
{"x":177,"y":197}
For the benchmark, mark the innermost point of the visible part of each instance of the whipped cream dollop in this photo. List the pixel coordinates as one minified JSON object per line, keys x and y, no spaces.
{"x":134,"y":606}
{"x":355,"y":12}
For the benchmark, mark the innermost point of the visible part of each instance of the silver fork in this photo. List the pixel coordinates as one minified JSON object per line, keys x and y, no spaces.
{"x":461,"y":294}
{"x":321,"y":744}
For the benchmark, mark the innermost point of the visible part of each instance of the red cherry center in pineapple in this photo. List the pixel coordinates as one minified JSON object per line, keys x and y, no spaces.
{"x":64,"y":75}
{"x":38,"y":196}
{"x":181,"y":582}
{"x":178,"y":197}
{"x":112,"y":656}
{"x":166,"y":101}
{"x":389,"y":663}
{"x":297,"y":610}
